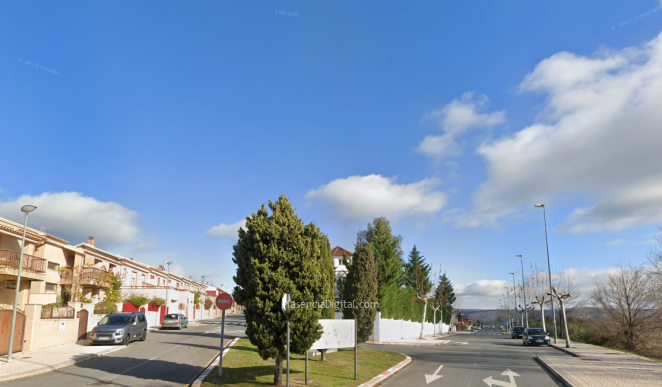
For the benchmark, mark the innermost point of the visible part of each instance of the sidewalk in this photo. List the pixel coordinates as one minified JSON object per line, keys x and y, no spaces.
{"x":592,"y":366}
{"x":31,"y":363}
{"x":425,"y":341}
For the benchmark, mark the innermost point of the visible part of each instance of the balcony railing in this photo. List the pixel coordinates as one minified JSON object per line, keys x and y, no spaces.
{"x":87,"y":276}
{"x":57,"y":312}
{"x":10,"y":258}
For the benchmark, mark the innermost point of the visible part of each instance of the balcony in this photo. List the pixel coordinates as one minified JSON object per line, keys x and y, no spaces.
{"x":33,"y":267}
{"x":85,"y":276}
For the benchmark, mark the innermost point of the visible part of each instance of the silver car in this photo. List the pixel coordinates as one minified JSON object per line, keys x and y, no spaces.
{"x":120,"y":328}
{"x":174,"y":320}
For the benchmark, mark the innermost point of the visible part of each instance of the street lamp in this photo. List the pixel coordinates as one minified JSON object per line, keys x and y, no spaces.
{"x":168,"y":286}
{"x":526,"y":313}
{"x":26,"y":209}
{"x":549,"y":269}
{"x":514,"y":290}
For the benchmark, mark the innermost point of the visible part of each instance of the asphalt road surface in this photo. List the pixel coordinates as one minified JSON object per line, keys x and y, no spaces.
{"x":471,"y":360}
{"x":166,"y":358}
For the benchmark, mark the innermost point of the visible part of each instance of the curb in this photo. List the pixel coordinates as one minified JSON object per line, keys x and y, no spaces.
{"x":553,"y":371}
{"x":61,"y":365}
{"x":198,"y":381}
{"x":562,"y":349}
{"x":380,"y":378}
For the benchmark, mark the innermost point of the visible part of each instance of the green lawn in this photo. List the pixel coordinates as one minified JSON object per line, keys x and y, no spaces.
{"x":243,"y":367}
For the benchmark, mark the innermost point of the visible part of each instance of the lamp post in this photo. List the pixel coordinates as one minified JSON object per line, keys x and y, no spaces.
{"x":514,"y":290}
{"x":549,"y":269}
{"x":26,"y":209}
{"x":507,"y":303}
{"x":526,"y":313}
{"x":168,"y":286}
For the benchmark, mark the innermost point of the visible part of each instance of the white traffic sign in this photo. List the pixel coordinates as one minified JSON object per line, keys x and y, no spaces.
{"x":431,"y":378}
{"x":284,"y":302}
{"x":511,"y":375}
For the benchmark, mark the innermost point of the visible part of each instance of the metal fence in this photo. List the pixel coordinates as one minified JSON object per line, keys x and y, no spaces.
{"x":57,"y":312}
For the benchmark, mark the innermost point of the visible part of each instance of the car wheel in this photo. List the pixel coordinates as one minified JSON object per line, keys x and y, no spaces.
{"x":126,"y":340}
{"x":180,"y":327}
{"x":144,"y":336}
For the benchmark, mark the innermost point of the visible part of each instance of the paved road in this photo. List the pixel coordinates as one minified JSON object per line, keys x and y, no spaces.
{"x":487,"y":353}
{"x":166,"y":358}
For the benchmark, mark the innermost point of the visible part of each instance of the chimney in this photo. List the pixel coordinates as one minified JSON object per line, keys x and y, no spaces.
{"x":90,"y":241}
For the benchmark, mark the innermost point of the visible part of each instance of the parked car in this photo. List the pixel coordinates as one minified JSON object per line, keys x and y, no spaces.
{"x":174,"y":320}
{"x":517,"y":332}
{"x":120,"y":328}
{"x":535,"y":336}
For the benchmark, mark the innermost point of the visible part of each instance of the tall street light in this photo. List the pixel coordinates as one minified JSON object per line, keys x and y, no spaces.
{"x":514,"y":289}
{"x":549,"y":268}
{"x":526,"y":312}
{"x":508,"y":303}
{"x":26,"y":209}
{"x":168,"y":286}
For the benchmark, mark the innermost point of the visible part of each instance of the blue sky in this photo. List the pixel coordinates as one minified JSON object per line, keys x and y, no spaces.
{"x":148,"y":124}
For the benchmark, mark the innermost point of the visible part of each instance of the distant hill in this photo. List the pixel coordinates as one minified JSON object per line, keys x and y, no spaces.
{"x":492,"y":315}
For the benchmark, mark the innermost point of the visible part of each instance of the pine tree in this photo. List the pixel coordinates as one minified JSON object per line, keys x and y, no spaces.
{"x":446,"y":296}
{"x":387,"y":250}
{"x":417,"y":277}
{"x":278,"y":254}
{"x":361,"y":289}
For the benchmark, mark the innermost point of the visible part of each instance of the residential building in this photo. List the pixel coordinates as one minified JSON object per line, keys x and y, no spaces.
{"x":339,"y":264}
{"x":61,"y":284}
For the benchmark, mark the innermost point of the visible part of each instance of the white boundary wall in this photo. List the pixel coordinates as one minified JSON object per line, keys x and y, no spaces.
{"x":389,"y":330}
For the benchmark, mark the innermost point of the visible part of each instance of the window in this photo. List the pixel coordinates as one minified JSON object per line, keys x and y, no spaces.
{"x":141,"y":317}
{"x":151,"y":276}
{"x":53,"y":266}
{"x":51,"y":288}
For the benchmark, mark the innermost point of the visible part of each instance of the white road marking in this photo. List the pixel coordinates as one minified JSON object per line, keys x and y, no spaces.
{"x":511,"y":375}
{"x":431,"y":378}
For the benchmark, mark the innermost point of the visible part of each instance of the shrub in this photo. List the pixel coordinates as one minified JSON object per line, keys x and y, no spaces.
{"x":157,"y":301}
{"x":137,"y":299}
{"x":208,"y":303}
{"x":105,"y":307}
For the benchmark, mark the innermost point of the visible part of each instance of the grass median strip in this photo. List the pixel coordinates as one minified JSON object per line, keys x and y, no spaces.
{"x":242,"y":366}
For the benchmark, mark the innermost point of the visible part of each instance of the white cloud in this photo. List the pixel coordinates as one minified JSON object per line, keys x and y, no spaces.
{"x":483,"y":294}
{"x":227,"y":231}
{"x":597,"y":140}
{"x":455,"y":118}
{"x":147,"y":243}
{"x":74,"y":217}
{"x":360,"y":198}
{"x":615,"y":242}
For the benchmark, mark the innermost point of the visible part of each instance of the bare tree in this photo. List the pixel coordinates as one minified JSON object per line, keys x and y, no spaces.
{"x":561,"y":297}
{"x":539,"y":288}
{"x":628,"y":300}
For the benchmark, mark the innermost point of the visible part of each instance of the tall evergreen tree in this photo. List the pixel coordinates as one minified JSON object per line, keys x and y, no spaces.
{"x":361,"y":289}
{"x":387,"y":250}
{"x":446,"y":296}
{"x":417,"y":277}
{"x":329,"y":272}
{"x":278,"y":254}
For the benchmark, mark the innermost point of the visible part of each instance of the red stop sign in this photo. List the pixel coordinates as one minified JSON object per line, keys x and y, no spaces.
{"x":224,"y":301}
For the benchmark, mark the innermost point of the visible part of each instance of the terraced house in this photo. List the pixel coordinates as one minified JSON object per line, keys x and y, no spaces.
{"x":61,"y":284}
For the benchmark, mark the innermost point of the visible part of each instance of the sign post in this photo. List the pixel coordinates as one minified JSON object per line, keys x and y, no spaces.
{"x":283,"y":306}
{"x":223,"y":302}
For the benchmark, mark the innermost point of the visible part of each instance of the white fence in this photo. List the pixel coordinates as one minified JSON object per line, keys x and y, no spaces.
{"x":389,"y":330}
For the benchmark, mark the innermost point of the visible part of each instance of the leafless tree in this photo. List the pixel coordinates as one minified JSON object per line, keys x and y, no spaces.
{"x":561,"y":298}
{"x":628,"y":301}
{"x":539,"y":290}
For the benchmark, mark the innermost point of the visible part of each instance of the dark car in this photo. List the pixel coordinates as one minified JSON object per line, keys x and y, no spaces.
{"x":120,"y":328}
{"x":535,"y":336}
{"x":517,"y":332}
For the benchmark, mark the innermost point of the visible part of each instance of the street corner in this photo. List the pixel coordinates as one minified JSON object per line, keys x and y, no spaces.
{"x":389,"y":372}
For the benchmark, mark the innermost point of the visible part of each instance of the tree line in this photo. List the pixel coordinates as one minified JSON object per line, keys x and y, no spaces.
{"x":277,"y":254}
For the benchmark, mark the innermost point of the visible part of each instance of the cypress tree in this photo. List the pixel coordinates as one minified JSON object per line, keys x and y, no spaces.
{"x":278,"y":254}
{"x":417,"y":277}
{"x":329,"y":272}
{"x":361,"y":289}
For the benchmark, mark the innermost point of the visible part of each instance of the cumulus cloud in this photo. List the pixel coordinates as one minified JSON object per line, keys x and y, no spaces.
{"x":597,"y":139}
{"x":360,"y":198}
{"x":455,"y":118}
{"x":74,"y":217}
{"x":227,"y":231}
{"x":483,"y":294}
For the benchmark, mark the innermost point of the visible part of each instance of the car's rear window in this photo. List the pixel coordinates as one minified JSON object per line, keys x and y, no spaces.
{"x":171,"y":317}
{"x":518,"y":329}
{"x":536,"y":332}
